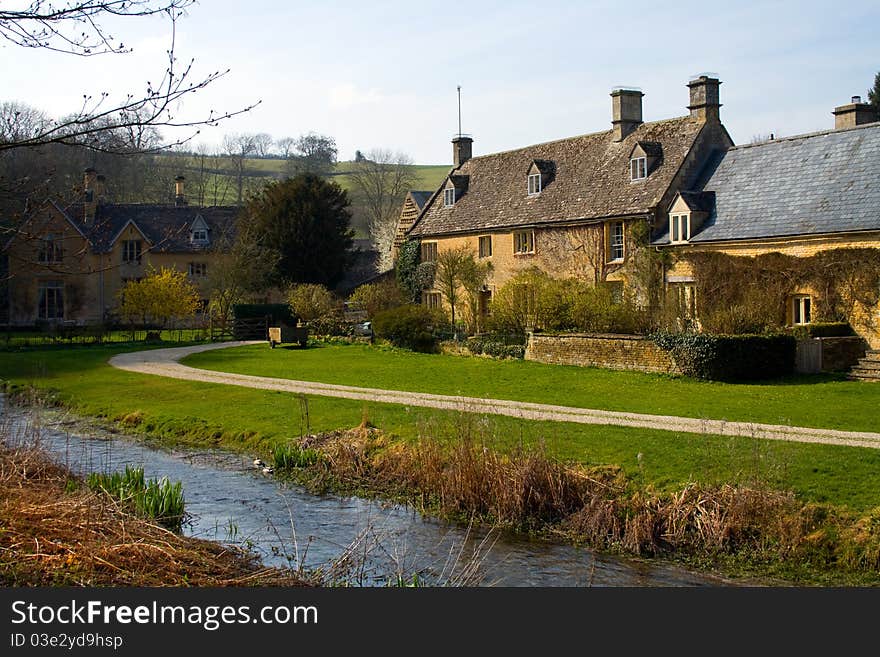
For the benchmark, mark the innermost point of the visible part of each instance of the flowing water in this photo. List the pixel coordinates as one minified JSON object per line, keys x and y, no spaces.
{"x":229,"y":500}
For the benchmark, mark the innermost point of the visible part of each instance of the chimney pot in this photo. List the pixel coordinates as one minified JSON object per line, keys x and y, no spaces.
{"x":626,"y":111}
{"x":857,"y":99}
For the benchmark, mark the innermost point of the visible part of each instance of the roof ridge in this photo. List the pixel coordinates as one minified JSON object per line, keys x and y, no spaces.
{"x":808,"y":135}
{"x":586,"y":134}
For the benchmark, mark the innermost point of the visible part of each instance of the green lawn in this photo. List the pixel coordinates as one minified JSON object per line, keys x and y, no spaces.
{"x":254,"y":420}
{"x":817,"y":401}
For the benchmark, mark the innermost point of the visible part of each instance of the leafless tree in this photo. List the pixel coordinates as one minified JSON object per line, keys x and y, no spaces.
{"x":312,"y":153}
{"x":238,"y":148}
{"x":381,"y":181}
{"x":77,"y":28}
{"x":286,"y":146}
{"x":263,"y":143}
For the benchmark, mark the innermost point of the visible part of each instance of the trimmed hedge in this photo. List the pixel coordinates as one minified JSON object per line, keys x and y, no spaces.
{"x":823,"y":330}
{"x":494,"y":348}
{"x":409,"y":326}
{"x":277,"y":312}
{"x":730,"y":357}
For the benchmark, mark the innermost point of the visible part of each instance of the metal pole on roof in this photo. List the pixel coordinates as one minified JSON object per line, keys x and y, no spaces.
{"x":459,"y":110}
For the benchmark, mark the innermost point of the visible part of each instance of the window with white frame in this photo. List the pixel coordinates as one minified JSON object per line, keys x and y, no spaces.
{"x":485,"y":249}
{"x":679,"y":228}
{"x":200,"y":235}
{"x":801,"y":309}
{"x":131,"y":251}
{"x":429,"y":251}
{"x":524,"y":242}
{"x":449,"y":197}
{"x":50,"y":302}
{"x":638,"y":168}
{"x":534,"y":184}
{"x":198,"y":269}
{"x":615,"y":241}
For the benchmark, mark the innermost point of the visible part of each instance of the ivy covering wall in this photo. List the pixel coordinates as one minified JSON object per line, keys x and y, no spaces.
{"x":737,"y":294}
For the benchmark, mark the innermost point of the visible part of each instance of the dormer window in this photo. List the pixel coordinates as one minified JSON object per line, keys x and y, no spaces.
{"x":679,"y":228}
{"x":638,"y":168}
{"x":449,"y":197}
{"x":198,"y":232}
{"x":534,"y":184}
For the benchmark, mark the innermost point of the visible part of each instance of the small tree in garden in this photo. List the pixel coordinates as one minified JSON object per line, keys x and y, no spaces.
{"x":373,"y":298}
{"x":310,"y":302}
{"x":459,"y":278}
{"x":162,"y":298}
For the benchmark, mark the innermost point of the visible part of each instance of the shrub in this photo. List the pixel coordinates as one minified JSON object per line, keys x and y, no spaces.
{"x":495,"y":348}
{"x":311,"y":302}
{"x":730,"y":357}
{"x":823,"y":330}
{"x":373,"y":298}
{"x":409,"y":326}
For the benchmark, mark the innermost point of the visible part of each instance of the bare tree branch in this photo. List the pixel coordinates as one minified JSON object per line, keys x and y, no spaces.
{"x":42,"y":25}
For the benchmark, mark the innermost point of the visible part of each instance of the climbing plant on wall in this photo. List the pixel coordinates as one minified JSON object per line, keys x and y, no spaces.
{"x":737,"y":294}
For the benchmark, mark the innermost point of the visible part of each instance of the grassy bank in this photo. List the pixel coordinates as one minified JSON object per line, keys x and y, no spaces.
{"x":242,"y":419}
{"x":812,"y":401}
{"x":750,"y":529}
{"x":55,"y":531}
{"x":655,"y":466}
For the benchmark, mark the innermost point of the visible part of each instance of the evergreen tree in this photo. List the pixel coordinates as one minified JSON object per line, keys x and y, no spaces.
{"x":304,"y":221}
{"x":874,"y":95}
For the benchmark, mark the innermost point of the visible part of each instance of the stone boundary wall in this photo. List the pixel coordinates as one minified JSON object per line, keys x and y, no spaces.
{"x":610,"y":351}
{"x":829,"y":354}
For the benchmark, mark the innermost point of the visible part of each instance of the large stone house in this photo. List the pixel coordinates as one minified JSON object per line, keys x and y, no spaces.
{"x":68,"y":264}
{"x":569,"y":206}
{"x":797,"y":196}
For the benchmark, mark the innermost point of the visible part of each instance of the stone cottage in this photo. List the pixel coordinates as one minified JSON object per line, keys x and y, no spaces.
{"x":569,"y":206}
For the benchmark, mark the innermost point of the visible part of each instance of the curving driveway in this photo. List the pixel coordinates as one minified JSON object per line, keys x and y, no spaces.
{"x":164,"y":362}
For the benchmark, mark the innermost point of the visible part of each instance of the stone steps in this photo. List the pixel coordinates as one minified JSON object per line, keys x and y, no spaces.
{"x":868,"y":368}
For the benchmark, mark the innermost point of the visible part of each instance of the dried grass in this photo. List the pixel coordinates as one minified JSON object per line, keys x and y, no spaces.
{"x":52,"y":536}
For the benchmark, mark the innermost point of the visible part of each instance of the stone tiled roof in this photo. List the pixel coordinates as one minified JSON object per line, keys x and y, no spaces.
{"x":166,"y":227}
{"x":827,"y":182}
{"x":591,"y":180}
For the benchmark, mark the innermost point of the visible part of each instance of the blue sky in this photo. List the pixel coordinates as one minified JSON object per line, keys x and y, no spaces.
{"x":384,"y":74}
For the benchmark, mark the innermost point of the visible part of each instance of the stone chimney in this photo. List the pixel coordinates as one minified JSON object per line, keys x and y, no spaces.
{"x":462,"y":149}
{"x":704,"y":98}
{"x":626,"y":111}
{"x":100,"y":189}
{"x":179,"y":197}
{"x":856,"y":113}
{"x":90,"y":194}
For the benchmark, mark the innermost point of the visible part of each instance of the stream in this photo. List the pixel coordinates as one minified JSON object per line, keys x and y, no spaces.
{"x":358,"y":541}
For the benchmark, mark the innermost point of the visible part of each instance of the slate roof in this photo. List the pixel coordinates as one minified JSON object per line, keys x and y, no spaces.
{"x":420,"y":197}
{"x":591,"y":180}
{"x":815,"y":184}
{"x":166,"y":227}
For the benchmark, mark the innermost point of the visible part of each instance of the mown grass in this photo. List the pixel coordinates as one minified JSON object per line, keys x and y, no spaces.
{"x":255,"y":421}
{"x":825,"y":401}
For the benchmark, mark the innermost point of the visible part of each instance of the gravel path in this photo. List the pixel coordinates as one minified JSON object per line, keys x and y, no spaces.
{"x":164,"y":362}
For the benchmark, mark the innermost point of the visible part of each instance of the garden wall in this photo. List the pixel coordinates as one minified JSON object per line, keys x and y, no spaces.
{"x":615,"y":352}
{"x":829,"y":354}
